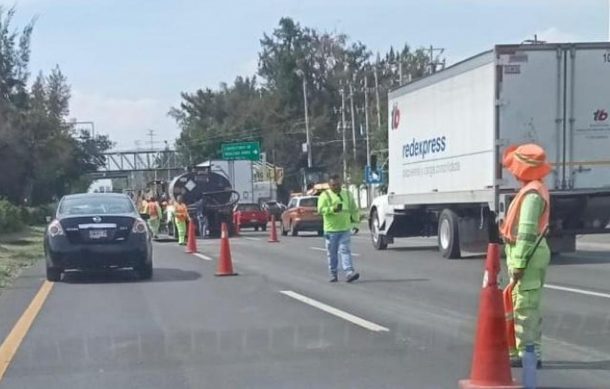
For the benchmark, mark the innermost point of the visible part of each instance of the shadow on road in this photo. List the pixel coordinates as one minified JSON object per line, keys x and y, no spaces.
{"x":125,"y":275}
{"x":571,"y":365}
{"x":396,"y":280}
{"x":581,"y":257}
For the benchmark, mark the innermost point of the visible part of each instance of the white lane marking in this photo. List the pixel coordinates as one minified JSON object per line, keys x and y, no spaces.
{"x":336,"y":312}
{"x":250,"y":238}
{"x":204,"y":257}
{"x":592,"y":245}
{"x":324,"y":250}
{"x":579,"y":291}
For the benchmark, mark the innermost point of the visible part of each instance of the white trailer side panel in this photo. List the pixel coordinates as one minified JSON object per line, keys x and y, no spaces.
{"x":588,"y":143}
{"x":444,"y":139}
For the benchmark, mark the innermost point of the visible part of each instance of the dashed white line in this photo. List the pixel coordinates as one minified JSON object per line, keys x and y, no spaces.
{"x":204,"y":257}
{"x":576,"y":290}
{"x":336,"y":312}
{"x":250,"y":238}
{"x":324,"y":250}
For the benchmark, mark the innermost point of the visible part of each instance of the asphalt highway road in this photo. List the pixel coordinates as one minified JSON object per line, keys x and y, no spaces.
{"x":409,"y":321}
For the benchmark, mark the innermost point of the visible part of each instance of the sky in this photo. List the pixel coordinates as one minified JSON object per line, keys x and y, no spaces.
{"x":127,"y":61}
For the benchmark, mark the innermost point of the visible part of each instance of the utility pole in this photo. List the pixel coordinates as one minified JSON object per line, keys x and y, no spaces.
{"x":151,"y":134}
{"x":351,"y":103}
{"x":366,"y":131}
{"x":366,"y":120}
{"x":433,"y":61}
{"x":377,"y":99}
{"x":344,"y":139}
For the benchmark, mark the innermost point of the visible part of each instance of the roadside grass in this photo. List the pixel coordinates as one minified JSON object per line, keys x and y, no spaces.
{"x":19,"y":250}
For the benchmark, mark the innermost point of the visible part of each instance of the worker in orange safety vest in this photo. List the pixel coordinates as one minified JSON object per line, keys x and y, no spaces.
{"x":526,"y":220}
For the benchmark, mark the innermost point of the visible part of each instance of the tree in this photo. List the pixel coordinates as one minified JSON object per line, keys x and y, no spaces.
{"x":272,"y":111}
{"x":42,"y":156}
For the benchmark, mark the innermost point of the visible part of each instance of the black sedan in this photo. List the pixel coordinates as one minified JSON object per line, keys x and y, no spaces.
{"x":97,"y":231}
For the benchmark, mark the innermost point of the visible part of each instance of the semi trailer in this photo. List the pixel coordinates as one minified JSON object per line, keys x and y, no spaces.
{"x":447,"y":133}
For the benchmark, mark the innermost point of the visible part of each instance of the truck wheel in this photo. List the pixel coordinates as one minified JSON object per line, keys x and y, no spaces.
{"x":256,"y":228}
{"x":264,"y":227}
{"x":448,"y":236}
{"x":380,"y":242}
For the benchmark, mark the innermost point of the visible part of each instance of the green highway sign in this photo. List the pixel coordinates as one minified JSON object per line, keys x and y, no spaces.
{"x":245,"y":150}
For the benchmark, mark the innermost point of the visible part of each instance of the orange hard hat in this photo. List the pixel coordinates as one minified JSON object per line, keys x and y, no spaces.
{"x":527,"y":162}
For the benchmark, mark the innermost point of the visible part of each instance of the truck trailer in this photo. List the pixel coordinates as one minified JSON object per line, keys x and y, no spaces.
{"x":447,"y":133}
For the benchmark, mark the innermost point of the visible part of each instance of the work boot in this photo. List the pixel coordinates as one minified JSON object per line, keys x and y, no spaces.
{"x":333,"y":278}
{"x":352,"y":276}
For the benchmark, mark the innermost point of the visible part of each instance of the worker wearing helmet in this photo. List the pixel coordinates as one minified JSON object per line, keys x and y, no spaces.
{"x":527,"y":218}
{"x":181,"y":217}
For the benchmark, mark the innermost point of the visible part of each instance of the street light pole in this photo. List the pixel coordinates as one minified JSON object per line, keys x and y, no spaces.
{"x":344,"y":139}
{"x":301,"y":74}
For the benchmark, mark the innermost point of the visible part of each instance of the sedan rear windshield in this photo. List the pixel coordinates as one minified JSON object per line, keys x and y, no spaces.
{"x":248,"y":207}
{"x":98,"y":205}
{"x":309,"y":202}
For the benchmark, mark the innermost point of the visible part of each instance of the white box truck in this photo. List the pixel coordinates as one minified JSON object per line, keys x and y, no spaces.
{"x":447,"y":132}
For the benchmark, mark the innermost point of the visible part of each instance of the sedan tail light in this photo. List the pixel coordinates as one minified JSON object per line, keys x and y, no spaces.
{"x":139,"y":227}
{"x":55,"y":229}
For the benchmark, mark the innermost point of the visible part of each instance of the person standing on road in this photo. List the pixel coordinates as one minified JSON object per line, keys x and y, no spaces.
{"x":153,"y":209}
{"x":341,"y":218}
{"x":201,"y":218}
{"x":181,"y":216}
{"x":169,"y":217}
{"x":526,"y":220}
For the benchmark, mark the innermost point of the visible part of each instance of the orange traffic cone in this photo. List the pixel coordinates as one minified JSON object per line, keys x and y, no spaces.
{"x":490,"y":361}
{"x":509,"y":313}
{"x":191,"y":242}
{"x":225,"y":264}
{"x":236,"y":225}
{"x":273,"y":231}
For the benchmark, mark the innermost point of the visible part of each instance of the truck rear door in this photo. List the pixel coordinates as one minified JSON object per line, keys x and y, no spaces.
{"x":588,"y":104}
{"x":530,"y":103}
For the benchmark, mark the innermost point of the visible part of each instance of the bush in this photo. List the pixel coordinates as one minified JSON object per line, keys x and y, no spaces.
{"x":37,"y":215}
{"x":11,"y":217}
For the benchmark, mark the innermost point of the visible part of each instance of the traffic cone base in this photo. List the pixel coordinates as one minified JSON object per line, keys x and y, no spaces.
{"x":469,"y":384}
{"x":225,"y":264}
{"x":490,"y":361}
{"x":273,"y":231}
{"x":191,"y":245}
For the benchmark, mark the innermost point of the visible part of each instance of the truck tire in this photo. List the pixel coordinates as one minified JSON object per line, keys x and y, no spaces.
{"x":380,"y":242}
{"x":448,"y":235}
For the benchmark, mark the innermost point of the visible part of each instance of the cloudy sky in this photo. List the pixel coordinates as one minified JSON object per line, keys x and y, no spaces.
{"x":128,"y":60}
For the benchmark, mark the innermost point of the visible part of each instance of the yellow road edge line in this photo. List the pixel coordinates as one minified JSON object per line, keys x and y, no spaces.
{"x":11,"y":344}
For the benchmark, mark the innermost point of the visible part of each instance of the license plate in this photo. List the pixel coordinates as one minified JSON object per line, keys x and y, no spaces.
{"x":98,"y":234}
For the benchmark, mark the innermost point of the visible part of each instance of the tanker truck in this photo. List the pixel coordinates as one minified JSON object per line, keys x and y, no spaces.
{"x":219,"y":197}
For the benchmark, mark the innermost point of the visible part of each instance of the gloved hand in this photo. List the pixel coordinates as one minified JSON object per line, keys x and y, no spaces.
{"x":338,"y":207}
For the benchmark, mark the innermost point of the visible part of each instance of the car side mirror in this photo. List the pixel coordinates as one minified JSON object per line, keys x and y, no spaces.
{"x":48,"y":219}
{"x":145,"y":216}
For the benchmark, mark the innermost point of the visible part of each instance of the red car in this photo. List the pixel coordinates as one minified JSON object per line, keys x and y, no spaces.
{"x":251,"y":215}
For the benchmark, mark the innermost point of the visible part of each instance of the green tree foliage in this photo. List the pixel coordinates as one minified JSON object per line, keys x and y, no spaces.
{"x":43,"y":158}
{"x":272,"y":110}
